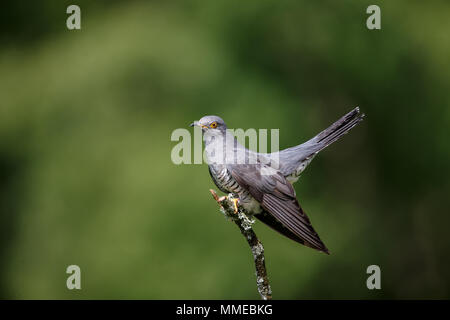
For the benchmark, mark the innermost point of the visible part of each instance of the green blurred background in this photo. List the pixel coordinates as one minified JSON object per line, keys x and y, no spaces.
{"x":85,"y":124}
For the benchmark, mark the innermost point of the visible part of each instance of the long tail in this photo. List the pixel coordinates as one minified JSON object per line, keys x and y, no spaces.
{"x":294,"y":160}
{"x":336,"y":130}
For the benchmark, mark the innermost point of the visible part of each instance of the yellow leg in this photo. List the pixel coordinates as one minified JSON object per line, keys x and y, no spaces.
{"x":235,"y":202}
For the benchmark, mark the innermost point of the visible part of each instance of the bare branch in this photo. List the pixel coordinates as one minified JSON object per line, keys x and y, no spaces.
{"x":245,"y":226}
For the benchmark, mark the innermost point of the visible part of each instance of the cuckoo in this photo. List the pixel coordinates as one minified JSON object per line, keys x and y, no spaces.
{"x":261,"y":183}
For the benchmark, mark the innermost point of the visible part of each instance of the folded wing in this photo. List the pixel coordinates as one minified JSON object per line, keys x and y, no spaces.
{"x":277,"y":197}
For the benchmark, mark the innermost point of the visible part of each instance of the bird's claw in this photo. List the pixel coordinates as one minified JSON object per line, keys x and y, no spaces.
{"x":235,"y":205}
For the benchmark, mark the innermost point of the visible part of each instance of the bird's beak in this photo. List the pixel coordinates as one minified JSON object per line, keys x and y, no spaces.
{"x":197,"y":124}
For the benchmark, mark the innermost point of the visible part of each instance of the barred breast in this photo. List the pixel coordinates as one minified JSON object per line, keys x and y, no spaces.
{"x":223,"y":179}
{"x":226,"y":183}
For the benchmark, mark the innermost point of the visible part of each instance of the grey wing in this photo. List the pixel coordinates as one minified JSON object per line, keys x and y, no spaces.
{"x":277,"y":197}
{"x":276,"y":225}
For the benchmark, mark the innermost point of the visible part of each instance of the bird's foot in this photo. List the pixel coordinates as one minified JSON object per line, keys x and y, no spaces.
{"x":235,"y":201}
{"x":235,"y":204}
{"x":230,"y":197}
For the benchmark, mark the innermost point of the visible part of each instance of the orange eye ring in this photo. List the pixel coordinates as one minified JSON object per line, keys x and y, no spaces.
{"x":213,"y":125}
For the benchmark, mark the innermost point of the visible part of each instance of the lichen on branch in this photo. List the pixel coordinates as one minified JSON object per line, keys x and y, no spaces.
{"x":244,"y":224}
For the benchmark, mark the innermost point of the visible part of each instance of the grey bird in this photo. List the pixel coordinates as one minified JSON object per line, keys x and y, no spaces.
{"x":262,"y":182}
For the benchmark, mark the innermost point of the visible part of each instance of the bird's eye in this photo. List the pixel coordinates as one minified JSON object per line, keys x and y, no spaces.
{"x":213,"y":125}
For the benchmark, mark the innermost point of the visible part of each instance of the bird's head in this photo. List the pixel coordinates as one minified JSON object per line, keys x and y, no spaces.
{"x":211,"y":124}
